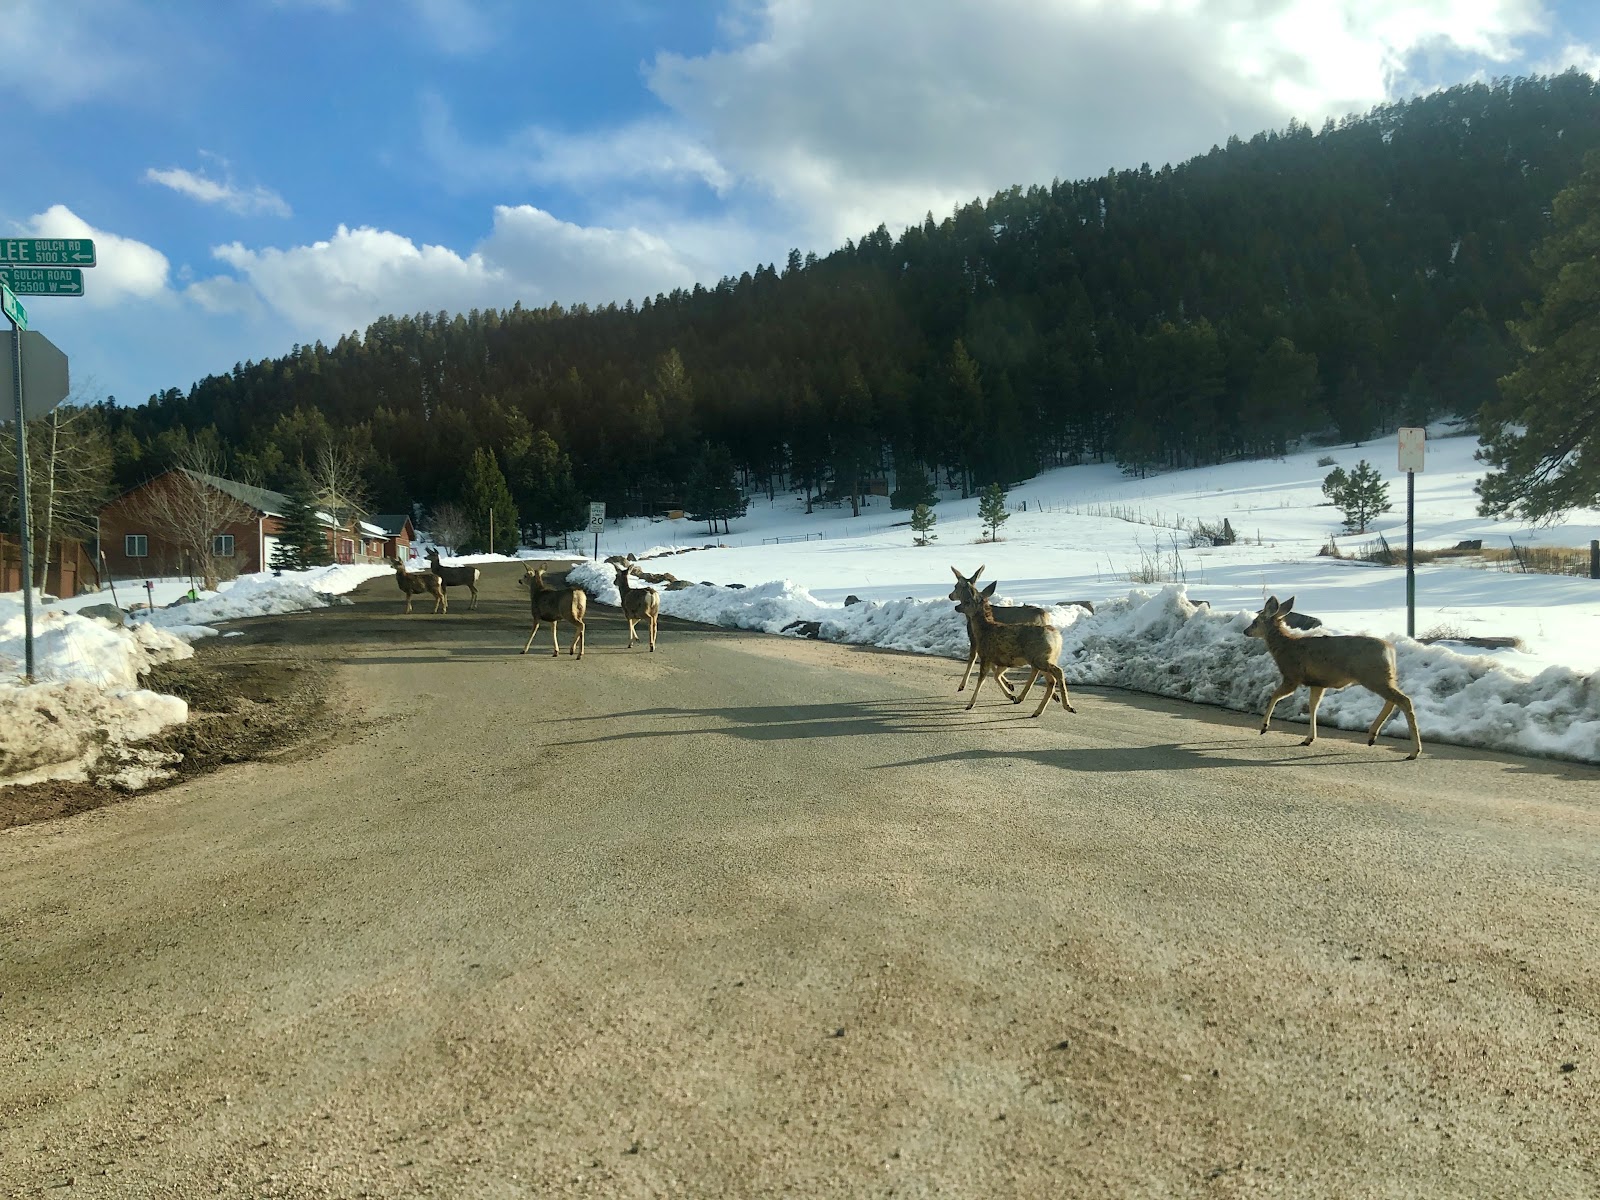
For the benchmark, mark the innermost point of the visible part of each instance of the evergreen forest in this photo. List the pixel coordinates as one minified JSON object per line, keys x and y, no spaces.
{"x":1303,"y":282}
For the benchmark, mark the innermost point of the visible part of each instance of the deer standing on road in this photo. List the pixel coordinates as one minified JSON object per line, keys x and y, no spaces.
{"x":1331,"y":661}
{"x":555,"y":605}
{"x":638,"y":604}
{"x":966,"y":591}
{"x":413,"y":585}
{"x":466,"y":577}
{"x":1016,"y":645}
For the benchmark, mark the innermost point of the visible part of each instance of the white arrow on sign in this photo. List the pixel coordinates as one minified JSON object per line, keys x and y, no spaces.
{"x":44,"y":378}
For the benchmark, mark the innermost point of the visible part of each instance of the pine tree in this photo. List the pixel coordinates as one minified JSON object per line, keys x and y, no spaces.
{"x":713,"y":492}
{"x":1360,"y":494}
{"x":913,"y":488}
{"x":486,"y":492}
{"x":301,"y":540}
{"x":923,"y":519}
{"x":1543,"y":433}
{"x":992,"y":510}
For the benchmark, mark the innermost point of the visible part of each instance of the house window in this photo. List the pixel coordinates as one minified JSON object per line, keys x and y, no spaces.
{"x":222,"y":545}
{"x":136,"y":545}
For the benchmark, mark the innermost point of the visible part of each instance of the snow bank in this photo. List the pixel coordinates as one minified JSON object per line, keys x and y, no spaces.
{"x":1164,"y":644}
{"x":81,"y":716}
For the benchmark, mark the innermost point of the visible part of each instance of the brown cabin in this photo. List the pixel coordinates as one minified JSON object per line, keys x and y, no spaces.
{"x":71,"y":572}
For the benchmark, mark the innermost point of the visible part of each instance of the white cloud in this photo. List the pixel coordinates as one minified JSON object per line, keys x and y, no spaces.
{"x":57,"y":55}
{"x":456,"y":27}
{"x":657,"y":151}
{"x":1573,"y":56}
{"x":330,"y":287}
{"x":848,"y":114}
{"x":201,"y":187}
{"x":124,"y":267}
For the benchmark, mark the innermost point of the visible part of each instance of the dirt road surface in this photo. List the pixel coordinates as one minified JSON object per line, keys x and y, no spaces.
{"x":757,"y":917}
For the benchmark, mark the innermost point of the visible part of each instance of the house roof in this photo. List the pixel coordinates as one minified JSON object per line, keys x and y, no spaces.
{"x":263,"y":500}
{"x":391,"y":523}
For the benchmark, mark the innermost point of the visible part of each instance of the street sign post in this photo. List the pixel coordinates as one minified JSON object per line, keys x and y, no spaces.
{"x":43,"y":281}
{"x":12,"y":308}
{"x":46,"y":252}
{"x":1413,"y":442}
{"x":597,"y":522}
{"x":45,"y":369}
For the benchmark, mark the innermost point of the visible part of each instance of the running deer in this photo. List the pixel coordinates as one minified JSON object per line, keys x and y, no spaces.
{"x":638,"y":604}
{"x":413,"y":585}
{"x":1014,"y":645}
{"x":554,"y":605}
{"x":966,"y":591}
{"x":466,"y":577}
{"x":1331,"y":661}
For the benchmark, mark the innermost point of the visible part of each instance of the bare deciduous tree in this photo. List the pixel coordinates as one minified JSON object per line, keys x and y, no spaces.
{"x":191,"y":513}
{"x":340,"y":488}
{"x":449,"y":526}
{"x":69,"y":476}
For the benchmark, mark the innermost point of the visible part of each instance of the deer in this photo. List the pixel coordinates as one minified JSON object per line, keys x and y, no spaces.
{"x":450,"y":577}
{"x":1322,"y":661}
{"x":414,"y":584}
{"x":966,"y":590}
{"x":554,"y":605}
{"x":1001,"y":645}
{"x":638,"y":604}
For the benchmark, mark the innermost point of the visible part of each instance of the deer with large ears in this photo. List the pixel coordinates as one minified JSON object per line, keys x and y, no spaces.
{"x":966,"y":592}
{"x":413,"y":584}
{"x":1015,"y":645}
{"x":554,"y":605}
{"x":1331,"y":661}
{"x":638,"y":604}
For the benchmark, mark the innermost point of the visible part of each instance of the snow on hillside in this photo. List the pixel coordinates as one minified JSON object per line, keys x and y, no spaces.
{"x":1168,"y":618}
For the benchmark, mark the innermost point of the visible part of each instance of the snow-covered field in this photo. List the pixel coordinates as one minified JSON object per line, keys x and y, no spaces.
{"x":1081,"y":533}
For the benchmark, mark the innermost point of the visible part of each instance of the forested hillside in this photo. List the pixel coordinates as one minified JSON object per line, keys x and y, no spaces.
{"x":1350,"y":279}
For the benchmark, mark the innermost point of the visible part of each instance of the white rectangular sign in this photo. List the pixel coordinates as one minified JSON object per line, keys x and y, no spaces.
{"x":597,"y":516}
{"x":1412,"y":440}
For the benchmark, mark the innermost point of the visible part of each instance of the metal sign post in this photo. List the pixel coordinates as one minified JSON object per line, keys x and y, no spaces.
{"x":19,"y":321}
{"x":1412,"y":441}
{"x":47,"y":267}
{"x":597,"y":522}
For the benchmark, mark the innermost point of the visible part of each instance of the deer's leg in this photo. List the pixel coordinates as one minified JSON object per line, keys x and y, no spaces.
{"x":1016,"y":696}
{"x":972,"y":657}
{"x":555,"y":637}
{"x":633,"y":635}
{"x":1284,"y":689}
{"x":1061,"y":678}
{"x":653,"y":633}
{"x":1316,"y":699}
{"x":1394,"y":699}
{"x":474,"y":603}
{"x":531,"y":636}
{"x":1049,"y":690}
{"x":580,"y":640}
{"x":409,"y":597}
{"x":983,"y":669}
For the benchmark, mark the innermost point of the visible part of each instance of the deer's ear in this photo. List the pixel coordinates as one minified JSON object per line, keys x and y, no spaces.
{"x":1286,"y":605}
{"x":957,"y":573}
{"x":976,"y":573}
{"x":1271,"y":606}
{"x":989,"y":591}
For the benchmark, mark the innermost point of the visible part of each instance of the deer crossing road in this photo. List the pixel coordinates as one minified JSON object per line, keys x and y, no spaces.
{"x":751,"y":914}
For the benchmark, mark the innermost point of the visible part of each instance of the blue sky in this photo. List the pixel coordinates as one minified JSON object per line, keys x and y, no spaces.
{"x":258,"y":173}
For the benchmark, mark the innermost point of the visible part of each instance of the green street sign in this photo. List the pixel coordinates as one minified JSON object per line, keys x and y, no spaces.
{"x":43,"y":281}
{"x":12,"y":309}
{"x":46,"y":252}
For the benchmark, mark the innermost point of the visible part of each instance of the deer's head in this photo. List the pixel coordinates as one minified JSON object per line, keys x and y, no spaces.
{"x":966,"y":585}
{"x":1271,"y":614}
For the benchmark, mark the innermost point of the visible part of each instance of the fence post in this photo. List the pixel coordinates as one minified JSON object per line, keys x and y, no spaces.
{"x":1594,"y":559}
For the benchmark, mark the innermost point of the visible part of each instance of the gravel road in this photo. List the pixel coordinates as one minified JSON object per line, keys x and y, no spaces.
{"x":756,"y":917}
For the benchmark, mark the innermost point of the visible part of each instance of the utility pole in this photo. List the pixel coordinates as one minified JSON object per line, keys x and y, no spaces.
{"x":1412,"y":441}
